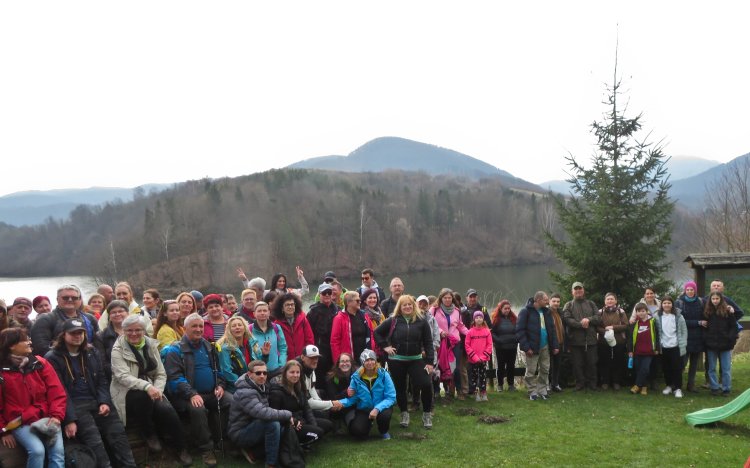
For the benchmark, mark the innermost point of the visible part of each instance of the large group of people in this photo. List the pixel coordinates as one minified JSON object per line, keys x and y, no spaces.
{"x":250,"y":371}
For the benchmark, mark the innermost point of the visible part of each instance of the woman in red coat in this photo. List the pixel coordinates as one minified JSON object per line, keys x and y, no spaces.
{"x":30,"y":394}
{"x":352,"y":330}
{"x":287,"y":312}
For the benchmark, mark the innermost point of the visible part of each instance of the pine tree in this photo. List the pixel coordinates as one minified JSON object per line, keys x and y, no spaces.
{"x":618,"y":218}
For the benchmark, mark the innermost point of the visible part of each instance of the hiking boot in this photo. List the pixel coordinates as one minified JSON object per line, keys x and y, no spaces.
{"x":185,"y":458}
{"x":533,"y":397}
{"x":635,"y":389}
{"x":478,"y":397}
{"x":557,"y":389}
{"x":484,"y":396}
{"x":499,"y":388}
{"x":667,"y":390}
{"x":404,"y":419}
{"x":153,"y":444}
{"x":644,"y":391}
{"x":678,"y":393}
{"x":209,"y":458}
{"x":427,"y":420}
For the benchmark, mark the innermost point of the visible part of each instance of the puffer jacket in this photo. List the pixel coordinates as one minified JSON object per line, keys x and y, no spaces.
{"x":721,"y":333}
{"x":33,"y":394}
{"x":573,"y":312}
{"x":281,"y":399}
{"x":504,"y":334}
{"x":692,"y":312}
{"x":409,"y":338}
{"x":382,"y":396}
{"x":250,"y":403}
{"x":125,"y":373}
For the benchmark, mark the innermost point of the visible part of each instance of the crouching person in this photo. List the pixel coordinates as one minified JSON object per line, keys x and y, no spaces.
{"x":90,"y":415}
{"x":195,"y":386}
{"x":252,"y":420}
{"x":137,"y":388}
{"x":373,"y":394}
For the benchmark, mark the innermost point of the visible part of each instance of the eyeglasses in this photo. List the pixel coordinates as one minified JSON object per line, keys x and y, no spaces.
{"x":291,"y":304}
{"x":70,"y":298}
{"x":134,"y":332}
{"x":326,"y":293}
{"x":365,"y":278}
{"x":259,"y":373}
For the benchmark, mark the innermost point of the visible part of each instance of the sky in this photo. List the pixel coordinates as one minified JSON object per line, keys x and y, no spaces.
{"x":127,"y":93}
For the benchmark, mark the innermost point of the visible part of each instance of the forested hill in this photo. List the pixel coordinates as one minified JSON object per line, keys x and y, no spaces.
{"x":198,"y":231}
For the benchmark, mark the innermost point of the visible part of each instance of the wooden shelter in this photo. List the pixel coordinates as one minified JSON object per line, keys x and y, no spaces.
{"x":715,"y":261}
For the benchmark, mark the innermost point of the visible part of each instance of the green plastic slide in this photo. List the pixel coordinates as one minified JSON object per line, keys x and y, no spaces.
{"x":710,"y":415}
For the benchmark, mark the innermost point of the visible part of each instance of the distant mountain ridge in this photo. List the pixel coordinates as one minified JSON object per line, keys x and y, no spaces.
{"x":394,"y":153}
{"x":691,"y":191}
{"x":35,"y":206}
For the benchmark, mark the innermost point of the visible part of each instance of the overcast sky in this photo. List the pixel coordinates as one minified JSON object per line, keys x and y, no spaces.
{"x":127,"y":93}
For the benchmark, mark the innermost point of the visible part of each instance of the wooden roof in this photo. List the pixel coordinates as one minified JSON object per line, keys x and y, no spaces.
{"x":725,"y":260}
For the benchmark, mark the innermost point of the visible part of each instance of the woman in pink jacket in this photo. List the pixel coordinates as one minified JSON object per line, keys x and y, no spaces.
{"x":352,"y":330}
{"x":479,"y":353}
{"x":448,"y":318}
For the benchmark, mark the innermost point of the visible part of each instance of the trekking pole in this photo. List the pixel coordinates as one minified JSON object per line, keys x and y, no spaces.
{"x":221,"y":433}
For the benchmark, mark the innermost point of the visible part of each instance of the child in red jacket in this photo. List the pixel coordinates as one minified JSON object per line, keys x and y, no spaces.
{"x":479,"y":352}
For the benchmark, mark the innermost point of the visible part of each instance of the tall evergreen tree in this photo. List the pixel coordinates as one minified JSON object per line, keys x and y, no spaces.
{"x":618,"y":218}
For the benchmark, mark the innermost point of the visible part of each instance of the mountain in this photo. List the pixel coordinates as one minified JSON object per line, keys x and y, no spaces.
{"x":682,"y":167}
{"x":392,"y":153}
{"x":691,"y":191}
{"x":35,"y":206}
{"x":559,"y":186}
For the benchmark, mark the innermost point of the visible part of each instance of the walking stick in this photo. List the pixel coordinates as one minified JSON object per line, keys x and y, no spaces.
{"x":221,"y":433}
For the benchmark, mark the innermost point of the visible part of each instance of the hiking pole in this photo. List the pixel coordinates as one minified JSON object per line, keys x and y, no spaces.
{"x":221,"y":433}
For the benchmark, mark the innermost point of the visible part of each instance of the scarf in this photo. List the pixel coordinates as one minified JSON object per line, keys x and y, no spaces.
{"x":691,"y":299}
{"x":19,"y":361}
{"x":375,"y":315}
{"x":143,"y":358}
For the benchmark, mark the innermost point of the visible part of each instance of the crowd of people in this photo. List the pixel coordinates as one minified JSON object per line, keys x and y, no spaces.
{"x":271,"y":378}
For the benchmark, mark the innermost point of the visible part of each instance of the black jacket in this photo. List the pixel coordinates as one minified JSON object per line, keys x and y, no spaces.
{"x":409,"y":338}
{"x":320,"y":319}
{"x":104,"y":343}
{"x":721,"y":333}
{"x":529,"y":329}
{"x":95,"y":378}
{"x":504,"y":334}
{"x":281,"y":399}
{"x":48,"y":326}
{"x":692,"y":312}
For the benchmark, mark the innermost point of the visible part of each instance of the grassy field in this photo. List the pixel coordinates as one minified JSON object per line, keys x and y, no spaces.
{"x":572,"y":429}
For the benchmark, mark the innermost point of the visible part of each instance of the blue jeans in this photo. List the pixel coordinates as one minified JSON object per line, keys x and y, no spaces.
{"x":256,"y":431}
{"x":35,"y":448}
{"x":725,"y":361}
{"x":642,"y":365}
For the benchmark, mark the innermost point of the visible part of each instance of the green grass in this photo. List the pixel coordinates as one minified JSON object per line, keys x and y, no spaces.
{"x":572,"y":429}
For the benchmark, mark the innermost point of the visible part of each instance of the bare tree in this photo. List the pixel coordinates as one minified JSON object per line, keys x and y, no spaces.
{"x":726,"y":221}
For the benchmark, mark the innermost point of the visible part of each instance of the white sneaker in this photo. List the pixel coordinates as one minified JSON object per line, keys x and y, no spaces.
{"x":404,"y":419}
{"x":666,"y":391}
{"x":678,"y":393}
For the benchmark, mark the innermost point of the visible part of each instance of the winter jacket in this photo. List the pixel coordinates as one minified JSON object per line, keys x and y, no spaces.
{"x":653,"y":333}
{"x":278,"y":355}
{"x":32,"y":393}
{"x":692,"y":312}
{"x":721,"y":333}
{"x":573,"y":312}
{"x":298,"y":335}
{"x":388,"y":306}
{"x":682,"y":331}
{"x":381,"y":397}
{"x":341,"y":334}
{"x":409,"y":338}
{"x":48,"y":326}
{"x":320,"y":317}
{"x":95,"y":378}
{"x":232,"y":364}
{"x":168,"y":335}
{"x":617,"y":319}
{"x":106,"y":339}
{"x":250,"y":402}
{"x":456,"y":328}
{"x":179,"y":363}
{"x":529,"y":329}
{"x":467,"y":315}
{"x":281,"y":399}
{"x":208,"y":330}
{"x":126,"y":374}
{"x":504,"y":334}
{"x":479,"y":345}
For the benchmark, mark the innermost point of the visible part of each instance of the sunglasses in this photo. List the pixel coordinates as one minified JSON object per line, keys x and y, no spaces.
{"x":326,"y":293}
{"x":365,"y":278}
{"x":259,"y":373}
{"x":70,"y":298}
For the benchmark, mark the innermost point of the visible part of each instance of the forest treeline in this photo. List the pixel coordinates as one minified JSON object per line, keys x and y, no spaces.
{"x":197,"y":232}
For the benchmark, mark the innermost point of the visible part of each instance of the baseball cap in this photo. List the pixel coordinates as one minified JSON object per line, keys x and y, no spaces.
{"x":73,"y":324}
{"x":324,"y":287}
{"x":577,"y":284}
{"x":311,"y":351}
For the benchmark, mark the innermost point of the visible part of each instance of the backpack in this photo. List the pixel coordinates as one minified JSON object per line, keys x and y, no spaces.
{"x":78,"y":455}
{"x":291,"y":454}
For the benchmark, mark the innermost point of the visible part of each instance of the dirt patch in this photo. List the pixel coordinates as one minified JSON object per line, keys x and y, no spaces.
{"x":467,"y":412}
{"x":412,"y":436}
{"x":493,"y":419}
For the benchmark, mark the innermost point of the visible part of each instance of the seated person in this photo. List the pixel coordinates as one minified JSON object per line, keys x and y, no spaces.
{"x":290,"y":395}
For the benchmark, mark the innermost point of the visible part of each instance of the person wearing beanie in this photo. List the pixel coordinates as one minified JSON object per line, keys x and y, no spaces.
{"x":19,"y":313}
{"x":692,"y":307}
{"x":478,"y":353}
{"x":215,"y":322}
{"x":41,"y":305}
{"x":198,"y":298}
{"x":535,"y":331}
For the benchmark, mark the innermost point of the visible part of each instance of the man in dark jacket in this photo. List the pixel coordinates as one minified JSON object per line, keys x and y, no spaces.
{"x":196,"y":386}
{"x":320,"y":316}
{"x":580,"y":316}
{"x":397,"y":289}
{"x":535,"y":331}
{"x":252,"y":420}
{"x":90,"y":414}
{"x":49,"y":325}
